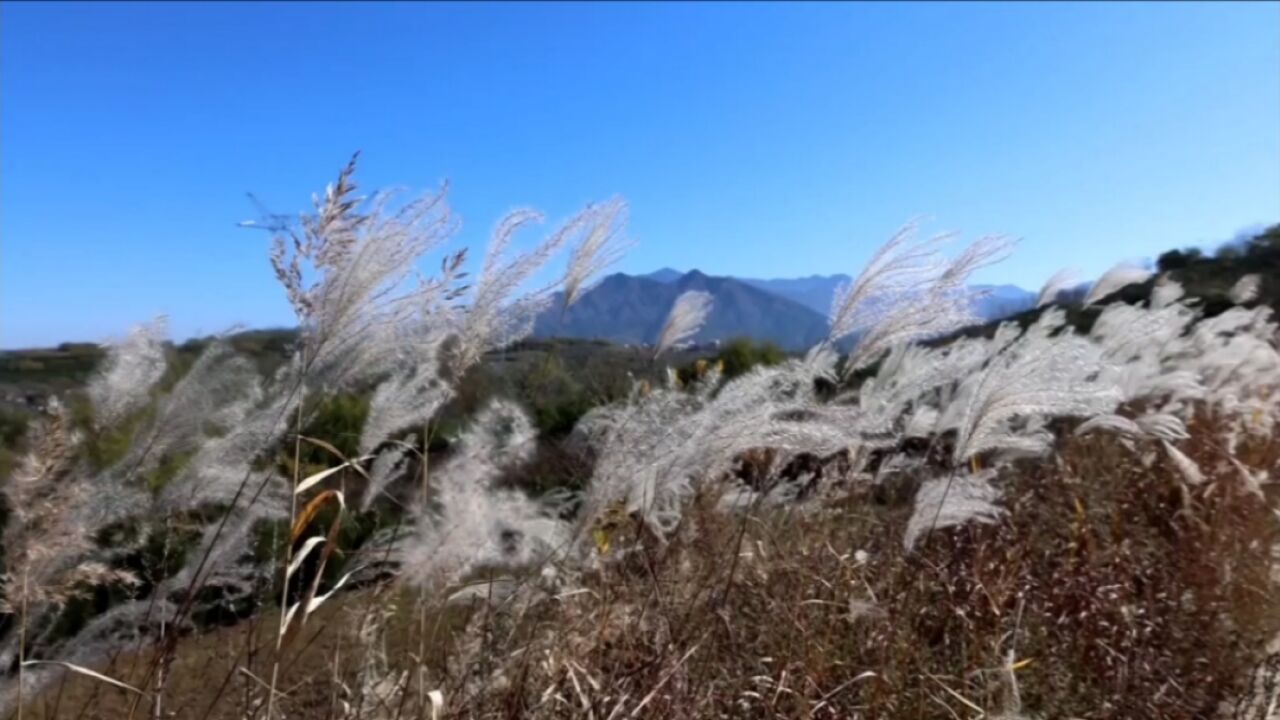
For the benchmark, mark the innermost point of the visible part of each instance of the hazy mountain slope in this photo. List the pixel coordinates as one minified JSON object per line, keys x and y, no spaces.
{"x":816,"y":291}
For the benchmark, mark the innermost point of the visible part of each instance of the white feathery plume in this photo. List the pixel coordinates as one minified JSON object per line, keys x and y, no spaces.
{"x":945,"y":304}
{"x":1158,"y":426}
{"x":1252,"y":480}
{"x":1235,"y":354}
{"x":413,"y":389}
{"x":907,"y":380}
{"x":902,"y":265}
{"x":222,"y":464}
{"x":951,"y":501}
{"x":493,"y":319}
{"x":1056,"y":284}
{"x":213,"y":397}
{"x":655,"y":450}
{"x":1037,"y":376}
{"x":474,"y":525}
{"x":603,"y":246}
{"x":361,"y":253}
{"x":685,"y":319}
{"x":1246,"y":289}
{"x":1129,"y":332}
{"x":1114,"y":423}
{"x":1114,"y":279}
{"x":1165,"y":292}
{"x":1163,"y":426}
{"x":1187,"y":467}
{"x":387,"y":466}
{"x":132,"y":366}
{"x":409,"y":397}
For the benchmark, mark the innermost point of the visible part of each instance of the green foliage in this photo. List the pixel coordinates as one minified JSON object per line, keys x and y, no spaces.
{"x":1211,"y":279}
{"x":106,"y":446}
{"x":338,"y":420}
{"x":67,"y":365}
{"x":737,"y":357}
{"x":269,"y":540}
{"x":1229,"y":252}
{"x":13,"y":428}
{"x":553,"y":467}
{"x":166,"y":470}
{"x":555,"y":398}
{"x":80,"y":610}
{"x":741,"y":354}
{"x":1178,"y":259}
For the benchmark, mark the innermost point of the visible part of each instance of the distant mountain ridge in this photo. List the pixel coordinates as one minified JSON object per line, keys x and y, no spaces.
{"x":791,"y":312}
{"x":631,"y":309}
{"x":817,"y":291}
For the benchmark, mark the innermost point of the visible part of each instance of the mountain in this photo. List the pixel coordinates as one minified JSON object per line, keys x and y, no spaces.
{"x":631,"y":309}
{"x":790,"y":312}
{"x":1002,"y":301}
{"x":816,"y":292}
{"x":666,"y":275}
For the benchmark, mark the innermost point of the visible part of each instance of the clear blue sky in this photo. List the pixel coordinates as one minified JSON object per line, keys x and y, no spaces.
{"x":750,"y":139}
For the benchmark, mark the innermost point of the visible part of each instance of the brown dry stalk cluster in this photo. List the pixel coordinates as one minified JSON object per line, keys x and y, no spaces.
{"x":1108,"y":591}
{"x":45,"y":526}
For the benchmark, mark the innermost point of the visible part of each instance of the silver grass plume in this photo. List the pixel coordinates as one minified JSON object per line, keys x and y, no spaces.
{"x":414,"y":387}
{"x":1127,"y":332}
{"x":1039,"y":375}
{"x":640,"y":456}
{"x":47,"y":546}
{"x":1165,"y":292}
{"x":360,"y":252}
{"x":212,"y":398}
{"x":945,"y":304}
{"x":952,"y":501}
{"x":1187,"y":467}
{"x":472,"y":524}
{"x":442,"y":339}
{"x":1114,"y":279}
{"x":495,"y":317}
{"x":655,"y":450}
{"x":1158,"y":426}
{"x":909,"y":381}
{"x":410,"y":396}
{"x":1246,"y":289}
{"x":1251,"y":479}
{"x":223,"y":460}
{"x":50,"y":553}
{"x":1055,"y":285}
{"x":213,"y":402}
{"x":132,"y":366}
{"x":686,"y":317}
{"x":387,"y":466}
{"x":902,"y":265}
{"x":603,"y":245}
{"x":1141,"y":347}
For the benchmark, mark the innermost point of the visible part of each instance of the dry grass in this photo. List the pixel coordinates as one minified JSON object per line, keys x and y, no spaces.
{"x":1116,"y":595}
{"x":1108,"y":591}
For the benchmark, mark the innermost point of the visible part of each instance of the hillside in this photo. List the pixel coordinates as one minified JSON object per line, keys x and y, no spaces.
{"x":1120,"y":570}
{"x":1071,"y":519}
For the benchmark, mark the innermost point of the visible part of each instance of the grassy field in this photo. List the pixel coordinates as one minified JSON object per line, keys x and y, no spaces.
{"x":405,"y":509}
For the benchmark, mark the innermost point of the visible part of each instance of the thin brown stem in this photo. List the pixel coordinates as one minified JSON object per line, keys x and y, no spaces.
{"x":288,"y":557}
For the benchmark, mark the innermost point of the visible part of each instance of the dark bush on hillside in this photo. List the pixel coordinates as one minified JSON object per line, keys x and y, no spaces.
{"x":736,"y":357}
